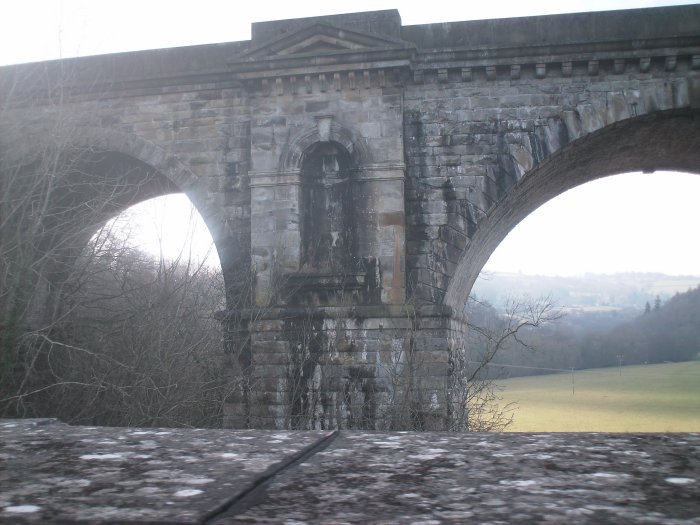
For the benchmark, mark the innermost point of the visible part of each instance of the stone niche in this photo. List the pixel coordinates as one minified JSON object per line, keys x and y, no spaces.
{"x":327,"y":220}
{"x":331,"y":270}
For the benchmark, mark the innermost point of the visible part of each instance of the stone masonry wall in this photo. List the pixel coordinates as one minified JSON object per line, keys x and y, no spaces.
{"x":334,"y":368}
{"x":469,"y":137}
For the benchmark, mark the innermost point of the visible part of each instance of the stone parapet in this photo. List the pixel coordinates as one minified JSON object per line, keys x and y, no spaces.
{"x":55,"y":473}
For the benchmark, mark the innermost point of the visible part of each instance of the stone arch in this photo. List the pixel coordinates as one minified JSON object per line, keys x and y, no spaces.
{"x":326,"y":129}
{"x":131,"y":145}
{"x":144,"y":154}
{"x":523,"y":144}
{"x":668,"y":140}
{"x":227,"y":240}
{"x":164,"y":163}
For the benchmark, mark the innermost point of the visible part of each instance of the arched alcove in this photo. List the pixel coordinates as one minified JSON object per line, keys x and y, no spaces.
{"x":327,"y":209}
{"x":326,"y":129}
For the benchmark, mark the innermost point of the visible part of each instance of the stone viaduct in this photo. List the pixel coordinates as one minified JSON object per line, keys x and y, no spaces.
{"x":356,"y":174}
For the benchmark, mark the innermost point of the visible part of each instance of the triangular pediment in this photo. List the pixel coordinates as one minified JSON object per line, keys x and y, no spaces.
{"x":322,"y":39}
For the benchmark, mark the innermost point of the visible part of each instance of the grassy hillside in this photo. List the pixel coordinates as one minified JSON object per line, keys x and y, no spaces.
{"x":645,"y":398}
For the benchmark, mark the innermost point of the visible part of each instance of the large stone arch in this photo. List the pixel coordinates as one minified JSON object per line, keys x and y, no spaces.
{"x":666,"y":140}
{"x":145,"y":151}
{"x":226,"y":240}
{"x":179,"y":175}
{"x":154,"y":171}
{"x":164,"y":163}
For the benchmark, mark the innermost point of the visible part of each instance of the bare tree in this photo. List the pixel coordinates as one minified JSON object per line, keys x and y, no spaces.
{"x":475,"y":390}
{"x":139,"y":344}
{"x":92,"y":331}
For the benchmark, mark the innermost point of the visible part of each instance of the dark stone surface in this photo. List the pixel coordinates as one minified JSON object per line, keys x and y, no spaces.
{"x":51,"y":472}
{"x":435,"y":478}
{"x":54,"y":473}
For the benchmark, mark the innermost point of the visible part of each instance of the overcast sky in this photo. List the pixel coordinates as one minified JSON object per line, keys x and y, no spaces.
{"x":631,"y":223}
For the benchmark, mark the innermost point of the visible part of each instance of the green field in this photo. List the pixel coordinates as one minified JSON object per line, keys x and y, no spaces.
{"x":645,"y":398}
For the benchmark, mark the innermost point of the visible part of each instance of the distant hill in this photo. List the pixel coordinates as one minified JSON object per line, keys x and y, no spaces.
{"x":590,"y":292}
{"x":667,"y":332}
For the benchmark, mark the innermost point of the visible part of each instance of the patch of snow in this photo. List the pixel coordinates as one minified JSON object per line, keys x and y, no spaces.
{"x":680,"y":481}
{"x":423,"y":456}
{"x":637,"y":453}
{"x":22,"y":509}
{"x":80,"y":482}
{"x":148,"y":490}
{"x":187,"y":493}
{"x":610,"y":475}
{"x":196,"y":481}
{"x":392,"y":444}
{"x":102,"y":456}
{"x":228,"y":455}
{"x":519,"y":482}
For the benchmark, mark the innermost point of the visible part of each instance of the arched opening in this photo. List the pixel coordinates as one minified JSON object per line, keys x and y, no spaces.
{"x":167,"y":228}
{"x":664,"y":141}
{"x":668,"y":141}
{"x":629,"y":223}
{"x":585,"y":354}
{"x":53,"y":206}
{"x":94,"y":330}
{"x":599,"y":252}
